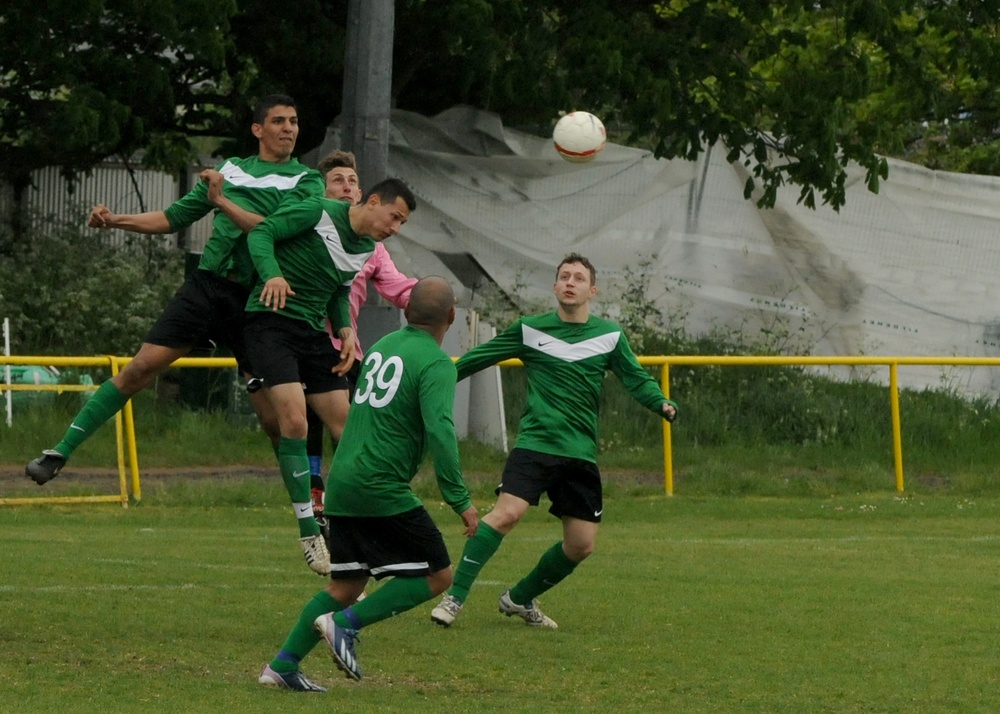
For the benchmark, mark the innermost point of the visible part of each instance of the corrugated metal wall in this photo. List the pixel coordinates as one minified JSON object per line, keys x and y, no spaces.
{"x":50,"y":201}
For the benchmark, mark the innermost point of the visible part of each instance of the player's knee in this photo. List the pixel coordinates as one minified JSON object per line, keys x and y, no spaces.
{"x":578,"y":552}
{"x":440,"y":580}
{"x":503,"y":518}
{"x":294,"y":427}
{"x":136,"y":375}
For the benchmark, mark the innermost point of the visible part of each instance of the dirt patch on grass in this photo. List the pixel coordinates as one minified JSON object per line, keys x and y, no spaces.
{"x":105,"y":480}
{"x":13,"y":478}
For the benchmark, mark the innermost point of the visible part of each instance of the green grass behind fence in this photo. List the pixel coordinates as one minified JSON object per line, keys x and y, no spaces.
{"x":742,"y":430}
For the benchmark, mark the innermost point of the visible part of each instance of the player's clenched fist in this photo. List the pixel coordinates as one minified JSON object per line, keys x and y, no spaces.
{"x":100,"y":216}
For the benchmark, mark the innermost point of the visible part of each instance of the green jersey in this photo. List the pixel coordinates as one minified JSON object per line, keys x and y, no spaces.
{"x":311,"y":245}
{"x":403,"y":403}
{"x":252,"y":184}
{"x":565,"y":364}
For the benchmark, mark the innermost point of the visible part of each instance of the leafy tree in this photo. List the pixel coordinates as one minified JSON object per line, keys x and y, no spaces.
{"x":796,"y":89}
{"x":68,"y":292}
{"x":88,"y":79}
{"x":302,"y":54}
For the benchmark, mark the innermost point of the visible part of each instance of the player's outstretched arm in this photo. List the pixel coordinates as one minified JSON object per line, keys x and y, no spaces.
{"x":151,"y":222}
{"x":506,"y":345}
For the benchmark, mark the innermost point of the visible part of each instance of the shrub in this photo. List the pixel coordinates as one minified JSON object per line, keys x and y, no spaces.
{"x":68,"y":292}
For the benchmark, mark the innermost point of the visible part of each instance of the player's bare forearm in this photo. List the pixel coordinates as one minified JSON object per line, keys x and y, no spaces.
{"x":151,"y":222}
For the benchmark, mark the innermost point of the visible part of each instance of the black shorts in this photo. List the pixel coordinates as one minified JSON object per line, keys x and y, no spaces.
{"x":283,"y":350}
{"x":206,"y":311}
{"x":407,"y":545}
{"x":573,"y":485}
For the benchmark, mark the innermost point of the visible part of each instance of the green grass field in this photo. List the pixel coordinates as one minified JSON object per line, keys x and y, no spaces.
{"x":850,"y":603}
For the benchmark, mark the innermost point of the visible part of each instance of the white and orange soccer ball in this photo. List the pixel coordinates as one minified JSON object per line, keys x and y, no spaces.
{"x":579,"y":137}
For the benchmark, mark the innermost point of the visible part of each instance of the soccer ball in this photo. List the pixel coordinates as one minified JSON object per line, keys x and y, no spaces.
{"x":579,"y":137}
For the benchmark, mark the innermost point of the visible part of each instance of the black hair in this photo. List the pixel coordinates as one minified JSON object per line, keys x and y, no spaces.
{"x":389,"y":190}
{"x":266,"y":104}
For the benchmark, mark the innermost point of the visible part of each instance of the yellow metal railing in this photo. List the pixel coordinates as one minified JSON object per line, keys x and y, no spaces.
{"x":893,"y":363}
{"x":124,"y":421}
{"x":125,"y":424}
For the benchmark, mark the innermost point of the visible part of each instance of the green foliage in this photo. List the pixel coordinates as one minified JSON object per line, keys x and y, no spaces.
{"x":71,"y":293}
{"x":637,"y":306}
{"x":90,"y":79}
{"x":795,"y":90}
{"x":301,"y":54}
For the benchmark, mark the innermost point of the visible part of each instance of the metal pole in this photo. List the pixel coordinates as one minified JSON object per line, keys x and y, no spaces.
{"x":368,"y":87}
{"x":897,"y":429}
{"x":6,"y":353}
{"x":668,"y":444}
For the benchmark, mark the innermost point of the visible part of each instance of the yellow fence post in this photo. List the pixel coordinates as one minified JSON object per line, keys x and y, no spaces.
{"x":668,"y":447}
{"x":119,"y":440}
{"x":122,"y":496}
{"x":897,"y":434}
{"x":130,"y":442}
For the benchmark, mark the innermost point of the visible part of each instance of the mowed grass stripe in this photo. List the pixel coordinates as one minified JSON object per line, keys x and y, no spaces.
{"x":707,"y":605}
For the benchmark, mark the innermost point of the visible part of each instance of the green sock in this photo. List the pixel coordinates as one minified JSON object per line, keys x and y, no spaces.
{"x":304,"y":636}
{"x":478,"y":549}
{"x":294,"y":464}
{"x":106,"y":402}
{"x":552,"y":567}
{"x":395,"y":597}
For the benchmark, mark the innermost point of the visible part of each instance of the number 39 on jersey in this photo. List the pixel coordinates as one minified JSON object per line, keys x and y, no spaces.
{"x":380,"y":378}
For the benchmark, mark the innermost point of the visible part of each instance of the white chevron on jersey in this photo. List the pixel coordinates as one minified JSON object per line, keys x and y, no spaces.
{"x":344,"y":261}
{"x":553,"y":347}
{"x":238,"y":177}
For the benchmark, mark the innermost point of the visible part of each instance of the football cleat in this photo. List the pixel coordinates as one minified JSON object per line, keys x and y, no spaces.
{"x":530,"y":614}
{"x":446,"y":611}
{"x":295,"y":681}
{"x":341,"y":641}
{"x":46,"y":467}
{"x":316,"y":552}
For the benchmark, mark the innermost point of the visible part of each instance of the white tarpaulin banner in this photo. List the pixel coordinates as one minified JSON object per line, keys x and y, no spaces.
{"x":912,"y":270}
